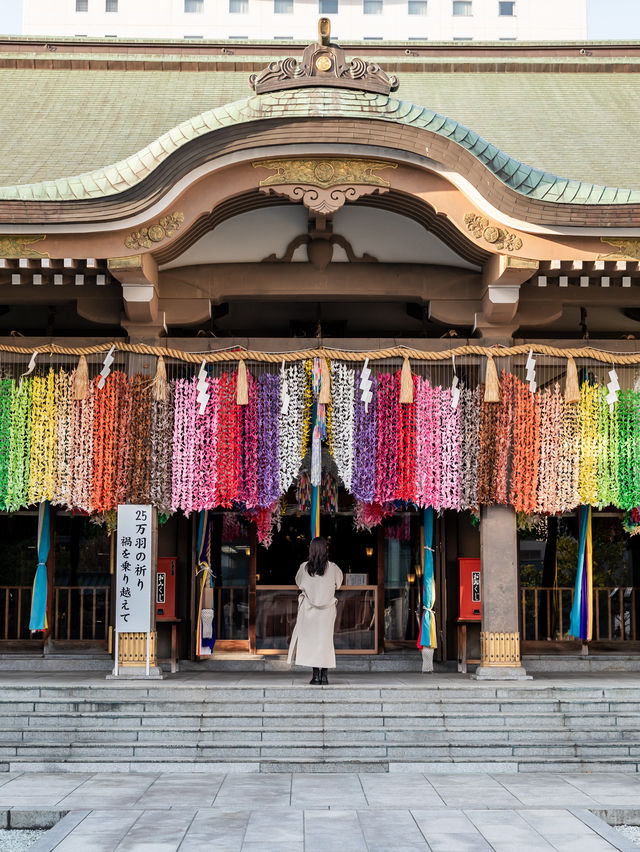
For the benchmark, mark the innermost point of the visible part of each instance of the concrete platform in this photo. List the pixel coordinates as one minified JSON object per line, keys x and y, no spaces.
{"x":337,"y":813}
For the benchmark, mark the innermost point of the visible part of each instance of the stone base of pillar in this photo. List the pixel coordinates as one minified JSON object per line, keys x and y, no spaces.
{"x":501,"y":673}
{"x":137,"y":673}
{"x":500,"y":657}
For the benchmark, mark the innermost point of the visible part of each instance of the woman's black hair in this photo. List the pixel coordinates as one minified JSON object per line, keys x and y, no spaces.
{"x":318,"y":556}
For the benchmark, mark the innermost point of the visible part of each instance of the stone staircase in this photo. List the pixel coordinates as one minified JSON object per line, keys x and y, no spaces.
{"x":451,"y":725}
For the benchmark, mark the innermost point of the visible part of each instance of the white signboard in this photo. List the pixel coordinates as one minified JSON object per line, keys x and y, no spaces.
{"x":133,"y":589}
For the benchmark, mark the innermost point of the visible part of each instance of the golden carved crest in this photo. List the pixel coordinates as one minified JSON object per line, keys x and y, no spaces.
{"x":161,"y":230}
{"x":324,"y":172}
{"x":16,"y":246}
{"x":498,"y":237}
{"x":627,"y":248}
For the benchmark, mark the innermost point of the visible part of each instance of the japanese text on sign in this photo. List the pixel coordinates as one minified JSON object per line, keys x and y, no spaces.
{"x":134,"y":574}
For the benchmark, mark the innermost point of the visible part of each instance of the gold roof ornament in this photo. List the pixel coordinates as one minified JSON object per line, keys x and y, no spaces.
{"x":323,"y":64}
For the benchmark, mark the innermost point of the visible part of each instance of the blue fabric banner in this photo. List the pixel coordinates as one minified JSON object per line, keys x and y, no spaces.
{"x":38,"y":619}
{"x":427,"y":637}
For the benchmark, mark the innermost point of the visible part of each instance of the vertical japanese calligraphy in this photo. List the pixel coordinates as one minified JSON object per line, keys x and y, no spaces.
{"x":133,"y":589}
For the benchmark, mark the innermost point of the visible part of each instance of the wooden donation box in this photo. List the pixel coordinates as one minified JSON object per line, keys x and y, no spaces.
{"x":470,"y":609}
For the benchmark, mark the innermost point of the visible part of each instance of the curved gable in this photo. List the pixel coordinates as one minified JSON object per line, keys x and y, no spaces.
{"x":320,"y":103}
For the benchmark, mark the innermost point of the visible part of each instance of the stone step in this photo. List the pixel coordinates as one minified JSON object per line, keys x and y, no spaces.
{"x":237,"y":735}
{"x":315,"y":736}
{"x":169,"y":751}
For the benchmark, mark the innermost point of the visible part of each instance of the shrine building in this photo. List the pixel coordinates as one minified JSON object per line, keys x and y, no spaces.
{"x":385,"y":292}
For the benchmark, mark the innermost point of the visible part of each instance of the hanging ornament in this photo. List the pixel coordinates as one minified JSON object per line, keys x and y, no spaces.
{"x":81,"y":380}
{"x":324,"y":397}
{"x":242,"y":385}
{"x":203,"y":388}
{"x":285,"y":396}
{"x":31,"y":367}
{"x":531,"y":372}
{"x":572,"y":386}
{"x":365,"y":385}
{"x":106,"y":368}
{"x":491,"y":383}
{"x":455,"y":385}
{"x":613,"y":386}
{"x":406,"y":382}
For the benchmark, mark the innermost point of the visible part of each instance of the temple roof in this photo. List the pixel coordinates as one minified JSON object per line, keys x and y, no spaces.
{"x":59,"y":122}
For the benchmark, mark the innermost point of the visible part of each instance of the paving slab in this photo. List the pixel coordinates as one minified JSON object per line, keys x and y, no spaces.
{"x":167,"y":812}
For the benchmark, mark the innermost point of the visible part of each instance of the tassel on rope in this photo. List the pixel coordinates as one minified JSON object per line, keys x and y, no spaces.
{"x":242,"y":391}
{"x":406,"y":382}
{"x":81,"y":380}
{"x":491,"y":383}
{"x":160,"y":381}
{"x":324,"y":397}
{"x":572,"y":387}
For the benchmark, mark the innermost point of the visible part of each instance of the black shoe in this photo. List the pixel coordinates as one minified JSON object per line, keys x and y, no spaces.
{"x":323,"y":677}
{"x":315,"y":677}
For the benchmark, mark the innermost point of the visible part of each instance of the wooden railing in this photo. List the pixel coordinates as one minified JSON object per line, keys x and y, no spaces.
{"x":81,"y":612}
{"x":545,"y":613}
{"x":15,"y":610}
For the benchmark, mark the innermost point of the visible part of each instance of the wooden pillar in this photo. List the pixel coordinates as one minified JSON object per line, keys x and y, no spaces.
{"x":253,"y":567}
{"x":500,"y":635}
{"x":380,"y":582}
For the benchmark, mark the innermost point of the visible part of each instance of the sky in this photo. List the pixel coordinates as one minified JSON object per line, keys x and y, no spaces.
{"x":608,"y":19}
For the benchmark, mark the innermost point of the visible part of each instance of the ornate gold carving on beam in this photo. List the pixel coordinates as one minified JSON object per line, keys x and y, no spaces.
{"x":498,"y":237}
{"x":323,"y":185}
{"x":325,"y":172}
{"x":628,"y":249}
{"x":161,"y":230}
{"x":16,"y":246}
{"x":499,"y":649}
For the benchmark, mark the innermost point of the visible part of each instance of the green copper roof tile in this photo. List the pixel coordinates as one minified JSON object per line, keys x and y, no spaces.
{"x":570,"y":191}
{"x":131,"y":169}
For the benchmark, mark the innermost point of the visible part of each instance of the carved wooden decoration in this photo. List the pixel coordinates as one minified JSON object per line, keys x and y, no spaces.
{"x":12,"y":247}
{"x":627,"y":248}
{"x":323,"y":185}
{"x":498,"y":237}
{"x":163,"y":228}
{"x":323,"y":64}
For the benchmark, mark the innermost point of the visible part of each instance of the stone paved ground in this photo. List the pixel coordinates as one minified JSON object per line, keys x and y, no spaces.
{"x":452,"y":812}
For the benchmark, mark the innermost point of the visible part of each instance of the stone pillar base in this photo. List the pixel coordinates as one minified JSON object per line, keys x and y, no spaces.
{"x":501,"y":673}
{"x":136,"y":673}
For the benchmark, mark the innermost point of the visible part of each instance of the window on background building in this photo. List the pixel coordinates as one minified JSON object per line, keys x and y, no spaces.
{"x":239,"y":7}
{"x":238,"y":37}
{"x":462,"y":8}
{"x":508,"y":9}
{"x":417,"y":7}
{"x":111,"y":5}
{"x":82,"y":5}
{"x":373,"y":38}
{"x":194,"y":6}
{"x":372,"y":7}
{"x":283,"y":7}
{"x":328,"y":7}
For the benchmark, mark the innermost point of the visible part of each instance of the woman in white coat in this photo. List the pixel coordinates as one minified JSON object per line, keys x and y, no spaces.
{"x":312,"y":638}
